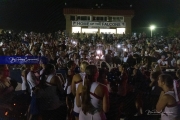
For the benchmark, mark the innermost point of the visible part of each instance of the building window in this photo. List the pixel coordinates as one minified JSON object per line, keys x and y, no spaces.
{"x":76,"y":29}
{"x":108,"y":31}
{"x":116,"y":18}
{"x":121,"y":19}
{"x":89,"y":30}
{"x":99,"y":18}
{"x":121,"y":30}
{"x":72,"y":18}
{"x":83,"y":18}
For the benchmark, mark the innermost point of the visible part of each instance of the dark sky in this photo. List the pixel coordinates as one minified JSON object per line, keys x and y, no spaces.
{"x":46,"y":15}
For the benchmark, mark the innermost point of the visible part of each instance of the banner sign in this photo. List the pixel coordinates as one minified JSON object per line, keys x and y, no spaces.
{"x":99,"y":24}
{"x":22,"y":60}
{"x":98,"y":27}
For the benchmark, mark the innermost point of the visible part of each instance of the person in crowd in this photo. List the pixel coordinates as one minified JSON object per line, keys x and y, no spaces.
{"x":136,"y":51}
{"x":155,"y":90}
{"x":84,"y":57}
{"x":46,"y":96}
{"x":171,"y":61}
{"x":178,"y":62}
{"x":31,"y":78}
{"x":6,"y":91}
{"x":92,"y":96}
{"x":77,"y":79}
{"x":70,"y":97}
{"x":123,"y":80}
{"x":147,"y":52}
{"x":165,"y":51}
{"x":60,"y":61}
{"x":42,"y":64}
{"x":125,"y":58}
{"x":162,"y":62}
{"x":167,"y":104}
{"x":5,"y":85}
{"x":177,"y":86}
{"x":155,"y":67}
{"x":103,"y":78}
{"x":75,"y":58}
{"x":129,"y":45}
{"x":24,"y":72}
{"x":108,"y":57}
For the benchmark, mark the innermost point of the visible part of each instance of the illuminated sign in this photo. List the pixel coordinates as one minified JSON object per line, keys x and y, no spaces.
{"x":99,"y":24}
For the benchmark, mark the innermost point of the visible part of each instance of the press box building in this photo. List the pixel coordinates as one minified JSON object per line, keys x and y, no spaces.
{"x":98,"y":20}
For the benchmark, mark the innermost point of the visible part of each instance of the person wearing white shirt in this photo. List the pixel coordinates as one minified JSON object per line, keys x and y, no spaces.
{"x":70,"y":50}
{"x":171,"y":61}
{"x":32,"y":79}
{"x":129,"y":46}
{"x":125,"y":57}
{"x":162,"y":62}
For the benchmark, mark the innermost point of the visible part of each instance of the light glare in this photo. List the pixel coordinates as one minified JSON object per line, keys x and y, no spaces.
{"x":152,"y":27}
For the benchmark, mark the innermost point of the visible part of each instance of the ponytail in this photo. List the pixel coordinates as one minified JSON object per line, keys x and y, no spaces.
{"x":86,"y":99}
{"x":91,"y":72}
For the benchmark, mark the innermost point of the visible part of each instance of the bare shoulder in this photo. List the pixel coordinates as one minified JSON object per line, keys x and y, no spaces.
{"x":76,"y":77}
{"x":167,"y":97}
{"x":80,"y":88}
{"x":55,"y":79}
{"x":102,"y":87}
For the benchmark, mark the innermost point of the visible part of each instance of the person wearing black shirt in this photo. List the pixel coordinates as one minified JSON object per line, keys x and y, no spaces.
{"x":63,"y":46}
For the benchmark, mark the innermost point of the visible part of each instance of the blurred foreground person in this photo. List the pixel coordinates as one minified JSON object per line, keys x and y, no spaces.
{"x":46,"y":103}
{"x":167,"y":104}
{"x":94,"y":96}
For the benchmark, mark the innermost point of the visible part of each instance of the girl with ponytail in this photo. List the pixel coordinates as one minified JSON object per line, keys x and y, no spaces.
{"x":92,"y":96}
{"x":77,"y":79}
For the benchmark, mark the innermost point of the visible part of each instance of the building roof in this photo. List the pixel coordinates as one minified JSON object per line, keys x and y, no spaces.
{"x":81,"y":11}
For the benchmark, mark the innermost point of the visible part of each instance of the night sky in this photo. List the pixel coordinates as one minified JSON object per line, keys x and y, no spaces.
{"x":47,"y":16}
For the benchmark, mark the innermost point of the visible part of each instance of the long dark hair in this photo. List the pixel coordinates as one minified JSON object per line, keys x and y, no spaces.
{"x":91,"y":72}
{"x":102,"y":75}
{"x":48,"y":70}
{"x":167,"y":79}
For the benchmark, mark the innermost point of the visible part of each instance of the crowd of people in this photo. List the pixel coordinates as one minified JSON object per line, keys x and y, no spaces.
{"x":97,"y":69}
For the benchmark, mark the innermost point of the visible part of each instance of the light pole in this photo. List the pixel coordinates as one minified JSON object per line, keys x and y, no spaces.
{"x":152,"y":27}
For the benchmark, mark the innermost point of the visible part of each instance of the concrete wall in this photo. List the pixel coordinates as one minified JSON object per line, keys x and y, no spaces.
{"x":127,"y":20}
{"x":68,"y":24}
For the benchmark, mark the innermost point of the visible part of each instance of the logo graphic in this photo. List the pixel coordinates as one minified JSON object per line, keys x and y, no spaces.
{"x":154,"y":112}
{"x":21,"y":60}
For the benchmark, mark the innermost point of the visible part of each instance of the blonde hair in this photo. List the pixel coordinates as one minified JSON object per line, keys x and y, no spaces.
{"x":83,"y":65}
{"x":156,"y":67}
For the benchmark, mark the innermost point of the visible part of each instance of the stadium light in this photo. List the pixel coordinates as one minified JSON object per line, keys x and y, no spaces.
{"x":152,"y":27}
